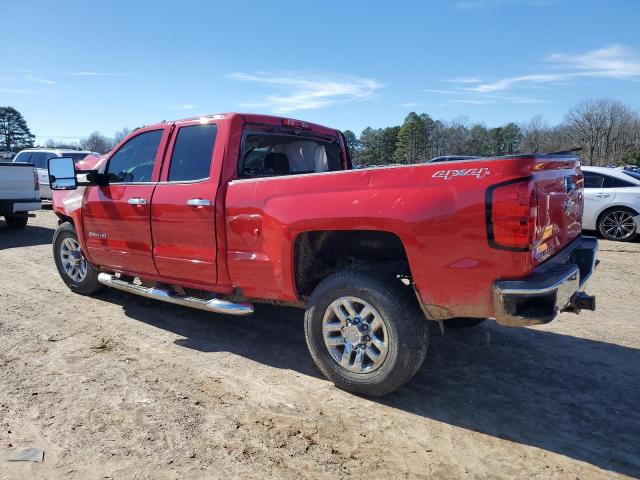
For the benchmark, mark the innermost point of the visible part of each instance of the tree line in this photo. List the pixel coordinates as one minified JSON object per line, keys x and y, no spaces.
{"x":606,"y":131}
{"x":95,"y":142}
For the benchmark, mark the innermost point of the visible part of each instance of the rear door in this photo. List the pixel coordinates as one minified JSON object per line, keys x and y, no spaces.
{"x":117,"y":216}
{"x":182,"y":212}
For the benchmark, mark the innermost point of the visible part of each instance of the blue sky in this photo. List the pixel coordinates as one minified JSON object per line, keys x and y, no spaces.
{"x":73,"y":67}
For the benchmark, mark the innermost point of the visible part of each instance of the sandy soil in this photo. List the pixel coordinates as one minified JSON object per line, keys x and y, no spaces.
{"x":118,"y":386}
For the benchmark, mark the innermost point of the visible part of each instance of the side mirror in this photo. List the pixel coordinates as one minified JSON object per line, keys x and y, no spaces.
{"x":62,"y":173}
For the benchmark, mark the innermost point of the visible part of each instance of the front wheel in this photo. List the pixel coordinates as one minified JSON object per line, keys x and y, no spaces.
{"x":14,"y":221}
{"x":618,"y":224}
{"x":73,"y":268}
{"x":365,"y":334}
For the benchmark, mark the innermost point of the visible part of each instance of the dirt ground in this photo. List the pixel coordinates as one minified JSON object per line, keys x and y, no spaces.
{"x":118,"y":386}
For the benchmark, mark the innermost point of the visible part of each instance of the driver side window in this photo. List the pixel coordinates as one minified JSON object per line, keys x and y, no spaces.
{"x":134,"y":161}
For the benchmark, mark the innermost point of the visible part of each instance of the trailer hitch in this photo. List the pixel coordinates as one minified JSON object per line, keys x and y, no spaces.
{"x":581,"y":301}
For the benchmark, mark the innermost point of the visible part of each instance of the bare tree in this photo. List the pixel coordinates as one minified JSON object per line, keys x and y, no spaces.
{"x":97,"y":142}
{"x":120,"y":134}
{"x":535,"y":135}
{"x":587,"y":125}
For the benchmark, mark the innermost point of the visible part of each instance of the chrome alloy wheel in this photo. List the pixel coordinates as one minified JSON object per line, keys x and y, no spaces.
{"x":619,"y":225}
{"x":355,"y":335}
{"x":73,"y":261}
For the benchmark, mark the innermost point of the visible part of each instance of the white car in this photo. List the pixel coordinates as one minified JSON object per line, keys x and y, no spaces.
{"x":611,"y":202}
{"x":39,"y":157}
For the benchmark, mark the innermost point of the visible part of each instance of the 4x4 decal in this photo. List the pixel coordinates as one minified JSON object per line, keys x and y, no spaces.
{"x":462,"y":172}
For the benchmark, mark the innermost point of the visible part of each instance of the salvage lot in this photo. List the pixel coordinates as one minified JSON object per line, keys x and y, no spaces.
{"x":120,"y":386}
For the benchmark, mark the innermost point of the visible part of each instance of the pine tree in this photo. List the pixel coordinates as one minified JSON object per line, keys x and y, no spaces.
{"x":412,"y":140}
{"x":14,"y":132}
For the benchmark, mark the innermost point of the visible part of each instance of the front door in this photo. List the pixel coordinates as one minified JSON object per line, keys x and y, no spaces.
{"x":183,"y":211}
{"x":117,"y":216}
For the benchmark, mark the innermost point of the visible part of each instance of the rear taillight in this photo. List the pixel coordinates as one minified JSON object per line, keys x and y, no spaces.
{"x":512,"y":211}
{"x":36,"y":180}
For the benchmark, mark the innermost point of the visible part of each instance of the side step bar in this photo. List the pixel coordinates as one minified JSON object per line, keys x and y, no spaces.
{"x":213,"y":305}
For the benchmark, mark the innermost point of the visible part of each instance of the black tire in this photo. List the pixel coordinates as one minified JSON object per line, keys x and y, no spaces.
{"x":602,"y":228}
{"x":463,"y":322}
{"x":14,"y":221}
{"x":405,"y":325}
{"x":89,"y":285}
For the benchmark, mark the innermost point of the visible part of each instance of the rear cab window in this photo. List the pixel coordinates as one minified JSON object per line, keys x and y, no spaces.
{"x":279,"y":152}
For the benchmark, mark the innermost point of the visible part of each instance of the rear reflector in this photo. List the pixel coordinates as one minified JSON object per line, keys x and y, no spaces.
{"x":512,"y":210}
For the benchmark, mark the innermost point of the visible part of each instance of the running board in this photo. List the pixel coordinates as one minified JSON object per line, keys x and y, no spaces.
{"x":215,"y":305}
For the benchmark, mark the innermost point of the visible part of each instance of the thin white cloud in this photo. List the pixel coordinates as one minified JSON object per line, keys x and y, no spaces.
{"x":18,"y":91}
{"x":408,"y":105}
{"x":97,"y":74}
{"x":472,"y":101}
{"x":441,"y":92}
{"x":465,"y":80}
{"x":33,"y":78}
{"x":507,"y":83}
{"x":616,"y":61}
{"x":185,"y":106}
{"x":303,"y":91}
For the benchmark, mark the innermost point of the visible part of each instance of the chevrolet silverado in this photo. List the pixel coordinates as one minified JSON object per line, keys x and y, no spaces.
{"x":223,"y":211}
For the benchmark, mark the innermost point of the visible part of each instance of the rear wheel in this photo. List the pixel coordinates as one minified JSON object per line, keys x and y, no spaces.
{"x":618,"y":224}
{"x":73,"y":268}
{"x":14,"y":221}
{"x":364,"y":333}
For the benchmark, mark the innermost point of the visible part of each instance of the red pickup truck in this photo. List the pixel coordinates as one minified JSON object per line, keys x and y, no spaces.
{"x":223,"y":211}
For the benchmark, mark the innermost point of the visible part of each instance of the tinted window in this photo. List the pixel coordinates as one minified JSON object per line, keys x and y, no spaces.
{"x":632,"y":174}
{"x":39,"y":159}
{"x":23,"y":157}
{"x":593,"y":180}
{"x":192,"y":151}
{"x":613,"y":182}
{"x":133,"y":162}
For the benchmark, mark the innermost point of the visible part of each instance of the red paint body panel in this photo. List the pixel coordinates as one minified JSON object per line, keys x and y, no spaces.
{"x":245,"y":239}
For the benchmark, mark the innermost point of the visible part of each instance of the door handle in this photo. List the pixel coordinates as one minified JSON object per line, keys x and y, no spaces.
{"x":199,"y":202}
{"x":137,"y":201}
{"x":602,"y":195}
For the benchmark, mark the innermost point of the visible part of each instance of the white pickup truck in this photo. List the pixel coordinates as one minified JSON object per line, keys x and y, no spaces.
{"x":19,"y":193}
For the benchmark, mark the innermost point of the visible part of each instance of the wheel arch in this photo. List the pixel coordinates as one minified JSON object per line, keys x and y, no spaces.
{"x":319,"y":253}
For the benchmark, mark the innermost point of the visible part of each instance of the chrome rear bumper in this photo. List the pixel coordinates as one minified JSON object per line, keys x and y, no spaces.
{"x":553,"y":287}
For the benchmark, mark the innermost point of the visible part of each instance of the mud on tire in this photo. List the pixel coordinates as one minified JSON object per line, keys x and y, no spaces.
{"x":404,"y":325}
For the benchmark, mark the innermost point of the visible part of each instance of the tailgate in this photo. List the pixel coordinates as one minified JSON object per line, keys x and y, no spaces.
{"x":559,"y":188}
{"x":17,"y":182}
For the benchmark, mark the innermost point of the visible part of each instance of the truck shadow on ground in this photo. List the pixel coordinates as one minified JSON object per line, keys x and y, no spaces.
{"x":567,"y":395}
{"x":31,"y":236}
